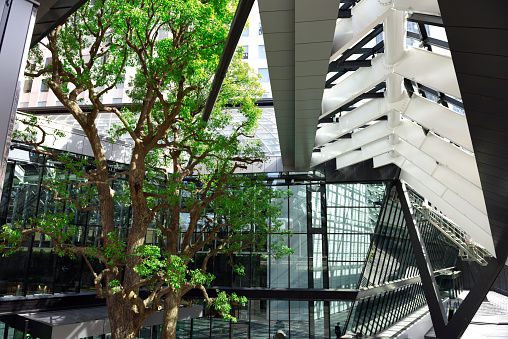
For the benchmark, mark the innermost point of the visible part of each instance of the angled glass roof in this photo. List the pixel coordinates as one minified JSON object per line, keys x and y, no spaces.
{"x":266,"y":132}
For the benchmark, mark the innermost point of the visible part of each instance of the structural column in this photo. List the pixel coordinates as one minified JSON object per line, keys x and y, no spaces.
{"x":430,"y":287}
{"x":16,"y":27}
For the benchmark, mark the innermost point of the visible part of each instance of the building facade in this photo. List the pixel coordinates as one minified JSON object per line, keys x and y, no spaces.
{"x":353,"y":261}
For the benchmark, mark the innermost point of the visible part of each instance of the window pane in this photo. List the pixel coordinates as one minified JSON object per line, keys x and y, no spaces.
{"x":298,"y":209}
{"x":261,"y":52}
{"x":264,"y":74}
{"x":299,"y":319}
{"x":298,"y":261}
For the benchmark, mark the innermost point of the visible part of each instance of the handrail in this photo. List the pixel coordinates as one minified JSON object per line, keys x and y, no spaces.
{"x":468,"y":248}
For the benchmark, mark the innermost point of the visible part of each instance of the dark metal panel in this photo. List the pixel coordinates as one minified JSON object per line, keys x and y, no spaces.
{"x":489,"y":135}
{"x":472,"y":40}
{"x":492,"y":161}
{"x":481,"y":85}
{"x":430,"y":286}
{"x":425,"y":19}
{"x":485,"y":65}
{"x":497,"y":193}
{"x":469,"y":13}
{"x":489,"y":106}
{"x":237,"y":26}
{"x":15,"y":305}
{"x":56,"y":15}
{"x":492,"y":149}
{"x":475,"y":297}
{"x":361,"y":172}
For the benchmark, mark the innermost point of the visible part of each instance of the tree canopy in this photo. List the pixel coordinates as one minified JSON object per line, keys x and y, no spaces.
{"x":180,"y":165}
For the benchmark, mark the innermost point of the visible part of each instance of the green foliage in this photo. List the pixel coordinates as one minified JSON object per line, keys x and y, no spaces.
{"x":10,"y":238}
{"x":180,"y":164}
{"x":115,"y":285}
{"x":222,"y":303}
{"x":57,"y":226}
{"x":171,"y":268}
{"x":115,"y":250}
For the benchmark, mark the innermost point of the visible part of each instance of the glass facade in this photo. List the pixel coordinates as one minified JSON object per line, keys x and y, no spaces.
{"x":346,"y":236}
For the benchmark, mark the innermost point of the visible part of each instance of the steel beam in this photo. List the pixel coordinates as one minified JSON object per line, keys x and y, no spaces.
{"x":426,"y":19}
{"x":237,"y":26}
{"x":474,"y":299}
{"x":336,"y":66}
{"x":430,"y":287}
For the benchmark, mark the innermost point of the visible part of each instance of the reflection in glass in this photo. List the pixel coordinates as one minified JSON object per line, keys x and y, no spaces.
{"x":298,"y":209}
{"x":317,"y":261}
{"x":298,"y":261}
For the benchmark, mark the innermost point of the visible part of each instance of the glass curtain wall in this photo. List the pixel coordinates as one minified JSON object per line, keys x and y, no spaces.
{"x":390,"y":257}
{"x":345,"y":236}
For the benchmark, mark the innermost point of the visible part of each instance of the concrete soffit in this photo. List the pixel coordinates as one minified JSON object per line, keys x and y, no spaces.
{"x":298,"y":40}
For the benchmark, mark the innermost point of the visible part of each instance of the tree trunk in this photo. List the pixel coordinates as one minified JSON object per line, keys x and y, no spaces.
{"x":171,"y":305}
{"x":125,"y":324}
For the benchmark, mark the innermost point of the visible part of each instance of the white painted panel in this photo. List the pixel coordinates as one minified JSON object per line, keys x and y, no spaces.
{"x":348,"y":159}
{"x":364,"y":16}
{"x":372,"y":133}
{"x":464,"y":188}
{"x":479,"y":218}
{"x":452,"y":156}
{"x":434,"y":185}
{"x":358,"y":117}
{"x":428,"y":6}
{"x":376,"y":148}
{"x":431,"y":69}
{"x":417,"y":157}
{"x":440,"y":119}
{"x":387,"y":158}
{"x":343,"y":37}
{"x":337,"y":148}
{"x":410,"y":132}
{"x":358,"y":140}
{"x":351,"y":87}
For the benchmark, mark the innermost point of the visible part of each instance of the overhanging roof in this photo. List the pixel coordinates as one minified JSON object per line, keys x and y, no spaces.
{"x":477,"y":36}
{"x":52,"y":13}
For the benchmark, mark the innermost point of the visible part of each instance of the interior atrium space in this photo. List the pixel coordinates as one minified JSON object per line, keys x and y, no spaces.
{"x":382,"y":119}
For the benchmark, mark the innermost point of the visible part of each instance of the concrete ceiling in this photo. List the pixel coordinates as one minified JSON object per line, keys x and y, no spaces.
{"x":298,"y":40}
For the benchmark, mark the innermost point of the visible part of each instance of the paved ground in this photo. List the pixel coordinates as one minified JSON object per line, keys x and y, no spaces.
{"x":491,"y":320}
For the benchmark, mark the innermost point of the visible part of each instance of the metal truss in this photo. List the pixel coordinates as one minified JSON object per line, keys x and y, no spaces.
{"x":395,"y":103}
{"x":469,"y":249}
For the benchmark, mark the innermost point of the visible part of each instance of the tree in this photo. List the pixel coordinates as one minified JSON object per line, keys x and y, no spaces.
{"x":179,"y":164}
